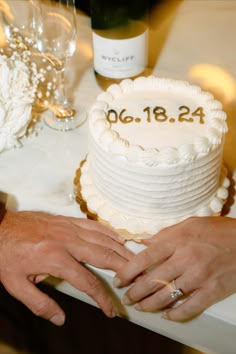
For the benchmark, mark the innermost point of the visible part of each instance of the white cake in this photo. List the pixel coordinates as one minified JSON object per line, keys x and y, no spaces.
{"x":155,"y":155}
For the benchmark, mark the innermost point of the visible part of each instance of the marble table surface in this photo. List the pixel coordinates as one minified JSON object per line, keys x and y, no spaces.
{"x":190,"y":39}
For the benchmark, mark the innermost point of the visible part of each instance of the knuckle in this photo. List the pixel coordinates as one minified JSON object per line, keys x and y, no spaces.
{"x":108,"y":255}
{"x":193,"y":252}
{"x":45,"y":246}
{"x":200,"y":226}
{"x":187,"y":226}
{"x":199,"y":274}
{"x":191,"y":220}
{"x":145,"y":260}
{"x":93,"y":285}
{"x":48,"y":248}
{"x":216,"y":285}
{"x":43,"y":308}
{"x":153,"y":283}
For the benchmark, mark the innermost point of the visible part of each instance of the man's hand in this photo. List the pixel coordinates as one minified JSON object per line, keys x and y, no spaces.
{"x":34,"y":245}
{"x":199,"y":254}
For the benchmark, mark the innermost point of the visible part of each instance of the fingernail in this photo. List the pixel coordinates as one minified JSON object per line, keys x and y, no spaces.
{"x":58,"y":319}
{"x":138,"y":307}
{"x":116,"y":282}
{"x":113,"y":313}
{"x":126,"y":300}
{"x":165,"y":315}
{"x":122,"y":239}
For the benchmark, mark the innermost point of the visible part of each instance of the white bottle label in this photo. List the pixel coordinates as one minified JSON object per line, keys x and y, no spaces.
{"x":120,"y":58}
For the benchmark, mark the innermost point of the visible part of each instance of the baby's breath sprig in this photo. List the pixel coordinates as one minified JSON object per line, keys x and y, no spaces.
{"x":28,"y":83}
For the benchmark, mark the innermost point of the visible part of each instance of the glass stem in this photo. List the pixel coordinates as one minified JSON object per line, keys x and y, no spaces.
{"x":60,"y":94}
{"x":61,"y":107}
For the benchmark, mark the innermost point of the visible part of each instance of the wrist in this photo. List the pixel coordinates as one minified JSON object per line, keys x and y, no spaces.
{"x":3,"y":202}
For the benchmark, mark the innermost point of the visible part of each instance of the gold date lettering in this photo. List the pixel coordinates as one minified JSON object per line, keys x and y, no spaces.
{"x":182,"y":116}
{"x":112,"y":116}
{"x":199,"y":113}
{"x":125,"y":119}
{"x":158,"y":114}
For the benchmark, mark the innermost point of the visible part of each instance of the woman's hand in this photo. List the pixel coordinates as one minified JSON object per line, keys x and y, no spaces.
{"x":198,"y":253}
{"x":34,"y":245}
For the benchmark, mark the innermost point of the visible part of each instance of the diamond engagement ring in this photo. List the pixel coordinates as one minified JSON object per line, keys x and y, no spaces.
{"x":176,"y":293}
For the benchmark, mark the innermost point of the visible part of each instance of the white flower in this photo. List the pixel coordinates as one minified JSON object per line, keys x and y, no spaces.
{"x":16,"y":99}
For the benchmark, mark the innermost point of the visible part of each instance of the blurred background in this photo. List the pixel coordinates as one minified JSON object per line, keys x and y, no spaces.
{"x":84,"y":4}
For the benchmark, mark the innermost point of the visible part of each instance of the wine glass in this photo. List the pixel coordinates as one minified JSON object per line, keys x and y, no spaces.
{"x":19,"y":21}
{"x":19,"y":26}
{"x":56,"y":38}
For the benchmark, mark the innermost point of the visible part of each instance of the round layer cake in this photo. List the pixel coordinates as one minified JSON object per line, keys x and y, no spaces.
{"x":155,"y":155}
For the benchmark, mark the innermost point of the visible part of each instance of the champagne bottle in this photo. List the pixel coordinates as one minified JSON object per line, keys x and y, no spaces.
{"x":120,"y":36}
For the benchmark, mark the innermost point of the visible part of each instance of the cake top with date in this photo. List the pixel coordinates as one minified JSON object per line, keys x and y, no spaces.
{"x":158,"y":115}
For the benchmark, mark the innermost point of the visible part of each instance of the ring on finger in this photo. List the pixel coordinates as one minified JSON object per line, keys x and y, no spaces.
{"x":177,"y":292}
